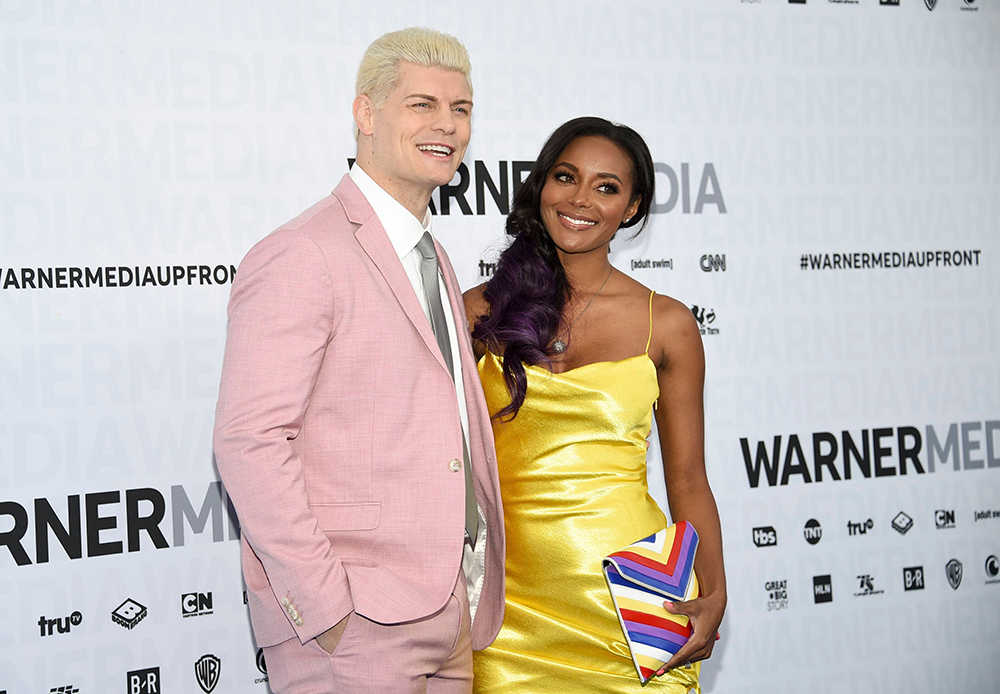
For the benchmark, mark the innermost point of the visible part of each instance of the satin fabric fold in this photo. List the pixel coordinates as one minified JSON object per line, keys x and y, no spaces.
{"x":573,"y":480}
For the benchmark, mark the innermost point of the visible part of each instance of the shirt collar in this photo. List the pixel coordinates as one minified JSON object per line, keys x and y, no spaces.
{"x":403,"y":229}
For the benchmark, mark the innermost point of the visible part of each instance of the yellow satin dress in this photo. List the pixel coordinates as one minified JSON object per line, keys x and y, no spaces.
{"x":573,"y":480}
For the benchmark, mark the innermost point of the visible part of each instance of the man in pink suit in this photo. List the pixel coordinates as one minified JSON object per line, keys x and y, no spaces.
{"x":351,"y":431}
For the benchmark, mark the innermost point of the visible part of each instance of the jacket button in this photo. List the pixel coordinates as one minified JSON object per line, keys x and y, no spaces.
{"x":298,"y":622}
{"x":285,"y":601}
{"x":455,"y":465}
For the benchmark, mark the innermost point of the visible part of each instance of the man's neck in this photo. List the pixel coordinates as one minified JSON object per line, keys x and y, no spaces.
{"x":413,"y":199}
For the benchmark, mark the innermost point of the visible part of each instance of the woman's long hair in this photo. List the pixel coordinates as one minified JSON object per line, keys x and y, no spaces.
{"x":529,"y":289}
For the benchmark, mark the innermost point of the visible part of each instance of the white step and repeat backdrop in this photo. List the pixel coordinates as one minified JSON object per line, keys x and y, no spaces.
{"x":828,"y":206}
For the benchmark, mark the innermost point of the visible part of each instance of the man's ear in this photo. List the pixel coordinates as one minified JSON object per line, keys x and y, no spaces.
{"x":364,"y":114}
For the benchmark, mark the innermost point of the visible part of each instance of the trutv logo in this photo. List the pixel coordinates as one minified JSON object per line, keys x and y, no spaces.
{"x":495,"y":185}
{"x":872,"y":453}
{"x":99,"y":524}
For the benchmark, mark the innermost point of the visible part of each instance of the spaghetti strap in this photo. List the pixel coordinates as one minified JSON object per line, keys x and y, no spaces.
{"x":650,"y":338}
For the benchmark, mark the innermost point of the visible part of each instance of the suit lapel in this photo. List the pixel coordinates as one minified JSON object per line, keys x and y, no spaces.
{"x":376,"y":244}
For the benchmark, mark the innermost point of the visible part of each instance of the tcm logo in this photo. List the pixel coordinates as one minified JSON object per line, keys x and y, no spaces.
{"x":822,"y":588}
{"x":813,"y":532}
{"x":765,"y":536}
{"x":196,"y":604}
{"x":944,"y":519}
{"x":710,"y":263}
{"x":913,"y":578}
{"x":61,"y":625}
{"x":128,"y":614}
{"x":144,"y":681}
{"x":99,"y":524}
{"x":859,"y":528}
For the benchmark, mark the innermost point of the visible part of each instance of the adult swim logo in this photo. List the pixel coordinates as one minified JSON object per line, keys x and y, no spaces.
{"x":777,"y":595}
{"x":882,"y":452}
{"x":88,"y":525}
{"x":765,"y":536}
{"x":822,"y":589}
{"x":866,"y":584}
{"x":207,"y":670}
{"x":988,"y":514}
{"x":813,"y":531}
{"x":143,"y":681}
{"x":60,"y":625}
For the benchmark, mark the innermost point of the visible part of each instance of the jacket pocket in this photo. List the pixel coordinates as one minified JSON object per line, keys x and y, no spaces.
{"x":339,"y":517}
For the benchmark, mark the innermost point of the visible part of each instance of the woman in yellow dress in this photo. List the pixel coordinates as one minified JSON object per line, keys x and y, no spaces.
{"x":575,"y":359}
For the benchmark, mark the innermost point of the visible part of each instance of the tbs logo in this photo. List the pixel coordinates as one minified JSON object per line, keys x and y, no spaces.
{"x":196,"y":604}
{"x":144,"y":681}
{"x":765,"y":536}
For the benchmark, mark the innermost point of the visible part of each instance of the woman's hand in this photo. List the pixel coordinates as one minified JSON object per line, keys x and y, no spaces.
{"x":705,"y":614}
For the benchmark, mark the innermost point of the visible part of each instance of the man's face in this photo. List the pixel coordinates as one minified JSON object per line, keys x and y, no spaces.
{"x":420,"y":133}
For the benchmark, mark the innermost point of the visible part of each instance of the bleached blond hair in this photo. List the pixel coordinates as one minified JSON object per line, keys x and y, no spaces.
{"x":379,"y":69}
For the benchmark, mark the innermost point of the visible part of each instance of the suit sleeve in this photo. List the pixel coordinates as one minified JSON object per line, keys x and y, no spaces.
{"x":280,"y":324}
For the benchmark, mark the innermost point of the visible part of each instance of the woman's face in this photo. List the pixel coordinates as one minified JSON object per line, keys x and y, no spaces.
{"x":586,"y":195}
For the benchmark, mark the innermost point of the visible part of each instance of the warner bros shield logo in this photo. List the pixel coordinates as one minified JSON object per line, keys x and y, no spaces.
{"x":206,"y":671}
{"x":954,"y":571}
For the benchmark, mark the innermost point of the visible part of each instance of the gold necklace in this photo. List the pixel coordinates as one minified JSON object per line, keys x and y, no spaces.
{"x":559,"y":346}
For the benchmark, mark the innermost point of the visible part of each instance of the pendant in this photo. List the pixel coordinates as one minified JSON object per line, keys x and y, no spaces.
{"x":558,"y":346}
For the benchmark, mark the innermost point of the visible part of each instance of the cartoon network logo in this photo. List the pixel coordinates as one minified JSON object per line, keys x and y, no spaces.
{"x":872,"y":453}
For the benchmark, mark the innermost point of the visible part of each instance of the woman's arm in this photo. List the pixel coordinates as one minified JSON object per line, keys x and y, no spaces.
{"x":475,"y":306}
{"x":677,"y":351}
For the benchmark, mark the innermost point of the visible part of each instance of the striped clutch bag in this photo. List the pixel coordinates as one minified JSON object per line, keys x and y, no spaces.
{"x":643,"y":575}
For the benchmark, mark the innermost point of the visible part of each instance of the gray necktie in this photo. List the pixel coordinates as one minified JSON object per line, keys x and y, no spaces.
{"x":432,"y":290}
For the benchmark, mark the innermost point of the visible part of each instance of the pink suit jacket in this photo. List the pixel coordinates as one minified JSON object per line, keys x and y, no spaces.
{"x":336,"y":428}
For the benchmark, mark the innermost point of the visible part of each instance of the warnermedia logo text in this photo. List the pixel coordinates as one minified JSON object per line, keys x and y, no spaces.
{"x":872,"y":453}
{"x":97,"y":525}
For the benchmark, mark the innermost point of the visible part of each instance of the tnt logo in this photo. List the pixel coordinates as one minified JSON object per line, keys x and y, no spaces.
{"x":813,"y":532}
{"x":944,"y":519}
{"x":765,"y":536}
{"x":913,"y":578}
{"x":144,"y":681}
{"x":196,"y":604}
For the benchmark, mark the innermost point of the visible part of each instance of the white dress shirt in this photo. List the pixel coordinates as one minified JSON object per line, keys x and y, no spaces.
{"x":404,"y":231}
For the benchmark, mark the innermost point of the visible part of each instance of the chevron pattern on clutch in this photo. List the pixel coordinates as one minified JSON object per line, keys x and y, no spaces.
{"x":643,"y":575}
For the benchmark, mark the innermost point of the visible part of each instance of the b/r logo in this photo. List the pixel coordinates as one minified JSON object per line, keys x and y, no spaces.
{"x":765,"y":536}
{"x":913,"y":578}
{"x":144,"y":681}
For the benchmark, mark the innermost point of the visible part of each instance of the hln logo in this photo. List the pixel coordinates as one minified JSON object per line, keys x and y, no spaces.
{"x":196,"y":604}
{"x":765,"y":536}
